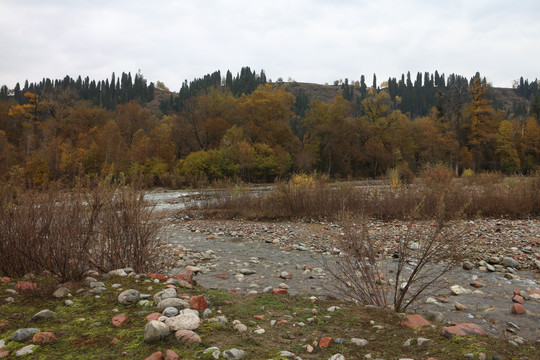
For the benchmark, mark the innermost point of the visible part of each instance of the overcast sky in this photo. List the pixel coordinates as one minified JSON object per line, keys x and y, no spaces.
{"x":308,"y":40}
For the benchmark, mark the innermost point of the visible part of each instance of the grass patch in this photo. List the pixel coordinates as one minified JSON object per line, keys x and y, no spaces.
{"x":83,"y":339}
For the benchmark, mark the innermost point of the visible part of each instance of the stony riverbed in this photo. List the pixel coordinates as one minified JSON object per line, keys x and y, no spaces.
{"x":256,"y":256}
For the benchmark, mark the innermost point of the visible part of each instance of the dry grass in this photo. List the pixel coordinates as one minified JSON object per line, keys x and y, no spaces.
{"x":515,"y":198}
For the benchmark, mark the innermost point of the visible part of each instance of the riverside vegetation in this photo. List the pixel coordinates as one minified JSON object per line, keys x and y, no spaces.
{"x":55,"y":251}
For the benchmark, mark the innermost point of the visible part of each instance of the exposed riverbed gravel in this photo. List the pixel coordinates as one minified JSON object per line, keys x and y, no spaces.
{"x":243,"y":256}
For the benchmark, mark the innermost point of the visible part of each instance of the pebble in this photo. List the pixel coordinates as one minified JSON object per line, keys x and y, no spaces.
{"x":359,"y":342}
{"x":234,"y":354}
{"x":25,"y":350}
{"x":43,"y":314}
{"x":22,"y":335}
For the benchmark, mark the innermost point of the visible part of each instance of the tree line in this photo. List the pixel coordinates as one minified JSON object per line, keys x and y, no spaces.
{"x":251,"y":129}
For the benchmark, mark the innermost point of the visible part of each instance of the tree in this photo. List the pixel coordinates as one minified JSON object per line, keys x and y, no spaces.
{"x":161,"y":86}
{"x":506,"y":148}
{"x":482,"y":127}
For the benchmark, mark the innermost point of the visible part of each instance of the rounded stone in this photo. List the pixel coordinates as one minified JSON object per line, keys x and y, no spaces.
{"x":172,"y":302}
{"x":155,"y":330}
{"x":170,"y":311}
{"x":129,"y":297}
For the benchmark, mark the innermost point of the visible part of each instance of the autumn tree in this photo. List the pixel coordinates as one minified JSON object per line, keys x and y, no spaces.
{"x":482,"y":126}
{"x":506,"y":148}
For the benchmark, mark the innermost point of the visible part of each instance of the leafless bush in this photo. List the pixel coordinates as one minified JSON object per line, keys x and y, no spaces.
{"x":63,"y":231}
{"x":359,"y":274}
{"x":127,"y":232}
{"x":424,"y":254}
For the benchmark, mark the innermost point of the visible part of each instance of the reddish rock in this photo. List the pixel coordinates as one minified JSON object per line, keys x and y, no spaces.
{"x":516,"y":292}
{"x":5,"y":279}
{"x":187,"y":337}
{"x":279,"y":291}
{"x":114,"y":341}
{"x":287,"y":276}
{"x":307,"y":267}
{"x":325,"y":342}
{"x":119,"y":320}
{"x":518,"y":299}
{"x":25,"y":286}
{"x":198,"y":303}
{"x":282,"y":322}
{"x":518,"y":309}
{"x":186,"y":276}
{"x":160,"y":277}
{"x":4,"y":354}
{"x":4,"y":323}
{"x":212,"y":237}
{"x":171,"y":355}
{"x":155,"y":356}
{"x":414,"y":321}
{"x":258,"y":317}
{"x":170,"y":286}
{"x":153,"y":316}
{"x":44,"y":337}
{"x":463,"y":329}
{"x":222,"y":275}
{"x":477,"y":284}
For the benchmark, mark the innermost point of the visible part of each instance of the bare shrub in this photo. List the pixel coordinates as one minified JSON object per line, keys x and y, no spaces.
{"x":359,"y":274}
{"x":49,"y":230}
{"x":436,"y":174}
{"x":127,"y":232}
{"x":62,"y":231}
{"x":424,"y":254}
{"x":518,"y":198}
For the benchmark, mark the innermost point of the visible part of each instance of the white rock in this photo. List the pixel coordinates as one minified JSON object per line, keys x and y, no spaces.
{"x":286,"y":354}
{"x":359,"y":342}
{"x":459,"y":290}
{"x":337,"y":357}
{"x":240,"y":328}
{"x":184,"y":321}
{"x":420,"y":341}
{"x":25,"y":350}
{"x":118,"y":272}
{"x":155,"y":330}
